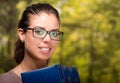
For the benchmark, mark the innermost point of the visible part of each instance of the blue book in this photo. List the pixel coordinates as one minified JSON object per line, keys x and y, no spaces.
{"x":52,"y":74}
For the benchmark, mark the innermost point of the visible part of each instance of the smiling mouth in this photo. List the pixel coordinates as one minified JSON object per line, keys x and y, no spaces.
{"x":45,"y":48}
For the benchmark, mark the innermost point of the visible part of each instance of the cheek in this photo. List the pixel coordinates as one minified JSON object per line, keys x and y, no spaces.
{"x":29,"y":42}
{"x":54,"y":44}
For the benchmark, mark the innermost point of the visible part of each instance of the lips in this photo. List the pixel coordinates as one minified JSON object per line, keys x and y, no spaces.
{"x":45,"y":49}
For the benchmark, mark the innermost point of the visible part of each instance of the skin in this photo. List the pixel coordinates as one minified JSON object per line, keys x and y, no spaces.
{"x":37,"y":50}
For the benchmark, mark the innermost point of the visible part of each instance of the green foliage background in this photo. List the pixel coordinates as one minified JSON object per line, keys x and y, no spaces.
{"x":91,"y":39}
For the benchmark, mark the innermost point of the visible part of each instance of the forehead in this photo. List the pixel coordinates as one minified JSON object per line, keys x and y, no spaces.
{"x":49,"y":21}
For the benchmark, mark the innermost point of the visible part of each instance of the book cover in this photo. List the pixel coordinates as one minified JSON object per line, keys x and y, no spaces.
{"x":52,"y":74}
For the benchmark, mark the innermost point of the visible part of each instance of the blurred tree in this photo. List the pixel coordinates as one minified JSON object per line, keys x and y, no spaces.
{"x":91,"y":27}
{"x":8,"y":18}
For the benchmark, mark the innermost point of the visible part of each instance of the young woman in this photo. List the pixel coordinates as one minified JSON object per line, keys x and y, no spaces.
{"x":39,"y":33}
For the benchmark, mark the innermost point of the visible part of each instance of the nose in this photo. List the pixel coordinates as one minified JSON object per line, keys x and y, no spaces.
{"x":47,"y":38}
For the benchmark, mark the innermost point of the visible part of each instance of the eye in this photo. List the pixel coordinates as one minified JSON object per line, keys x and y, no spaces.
{"x":54,"y":34}
{"x":39,"y":32}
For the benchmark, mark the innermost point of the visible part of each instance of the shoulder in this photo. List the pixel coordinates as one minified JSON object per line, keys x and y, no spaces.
{"x":4,"y":74}
{"x":9,"y":77}
{"x":3,"y":77}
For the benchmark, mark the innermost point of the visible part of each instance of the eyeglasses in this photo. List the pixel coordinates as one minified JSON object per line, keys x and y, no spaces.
{"x":39,"y":32}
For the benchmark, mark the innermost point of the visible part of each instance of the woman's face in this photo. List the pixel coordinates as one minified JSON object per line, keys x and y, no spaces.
{"x":40,"y":48}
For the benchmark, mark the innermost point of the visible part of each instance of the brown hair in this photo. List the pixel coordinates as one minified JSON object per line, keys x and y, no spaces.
{"x":33,"y":9}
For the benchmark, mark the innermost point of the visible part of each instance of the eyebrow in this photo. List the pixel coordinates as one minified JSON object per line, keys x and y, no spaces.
{"x":46,"y":30}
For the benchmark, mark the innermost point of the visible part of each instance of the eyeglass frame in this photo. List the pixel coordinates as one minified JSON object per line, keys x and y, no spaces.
{"x":47,"y":32}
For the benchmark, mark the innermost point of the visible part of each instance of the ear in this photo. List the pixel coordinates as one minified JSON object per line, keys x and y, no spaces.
{"x":21,"y":34}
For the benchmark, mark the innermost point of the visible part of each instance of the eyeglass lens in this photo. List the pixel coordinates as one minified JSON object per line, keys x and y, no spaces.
{"x":41,"y":33}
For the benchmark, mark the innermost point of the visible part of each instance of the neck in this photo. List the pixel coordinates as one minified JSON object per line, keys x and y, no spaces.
{"x":28,"y":65}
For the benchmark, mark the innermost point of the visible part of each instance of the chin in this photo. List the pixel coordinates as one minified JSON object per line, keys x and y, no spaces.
{"x":44,"y":58}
